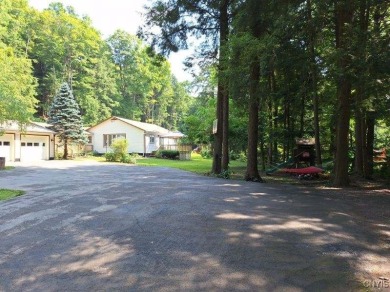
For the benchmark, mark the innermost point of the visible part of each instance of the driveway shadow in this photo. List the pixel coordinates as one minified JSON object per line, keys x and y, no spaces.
{"x":114,"y":227}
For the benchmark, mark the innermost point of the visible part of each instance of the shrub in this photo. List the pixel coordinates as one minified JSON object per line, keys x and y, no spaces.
{"x":124,"y":158}
{"x":129,"y":158}
{"x":242,"y":157}
{"x":234,"y":155}
{"x":110,"y":156}
{"x":206,"y":153}
{"x":59,"y":155}
{"x":133,"y":158}
{"x":226,"y":174}
{"x":119,"y":146}
{"x":168,"y":154}
{"x":119,"y":152}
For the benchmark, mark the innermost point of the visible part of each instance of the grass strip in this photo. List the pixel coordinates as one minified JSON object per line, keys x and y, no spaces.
{"x":197,"y":164}
{"x":6,"y":194}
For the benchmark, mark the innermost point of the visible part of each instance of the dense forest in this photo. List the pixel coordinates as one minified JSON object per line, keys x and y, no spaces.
{"x":282,"y":70}
{"x":268,"y":71}
{"x":121,"y":75}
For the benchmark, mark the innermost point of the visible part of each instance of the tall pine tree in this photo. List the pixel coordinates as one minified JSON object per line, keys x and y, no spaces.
{"x":64,"y":115}
{"x":178,"y":20}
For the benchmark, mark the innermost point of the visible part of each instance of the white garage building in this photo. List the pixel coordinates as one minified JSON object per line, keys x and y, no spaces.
{"x":33,"y":143}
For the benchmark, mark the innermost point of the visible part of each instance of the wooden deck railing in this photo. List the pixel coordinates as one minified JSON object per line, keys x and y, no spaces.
{"x":180,"y":148}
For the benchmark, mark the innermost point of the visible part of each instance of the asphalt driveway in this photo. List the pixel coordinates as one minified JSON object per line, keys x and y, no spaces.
{"x":87,"y":226}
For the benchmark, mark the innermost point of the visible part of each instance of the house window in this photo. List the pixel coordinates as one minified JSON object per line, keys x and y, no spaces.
{"x":109,"y":138}
{"x":151,"y":139}
{"x":89,"y":139}
{"x":5,"y":143}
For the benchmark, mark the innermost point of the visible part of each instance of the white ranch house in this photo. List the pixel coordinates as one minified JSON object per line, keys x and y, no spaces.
{"x":35,"y":142}
{"x":143,"y":138}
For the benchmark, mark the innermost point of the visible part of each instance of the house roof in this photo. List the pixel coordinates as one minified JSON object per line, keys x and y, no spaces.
{"x":144,"y":126}
{"x":34,"y":127}
{"x":149,"y":128}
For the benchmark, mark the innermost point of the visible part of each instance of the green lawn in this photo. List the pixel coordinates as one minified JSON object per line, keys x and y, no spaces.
{"x":202,"y":166}
{"x":8,"y":194}
{"x":197,"y":164}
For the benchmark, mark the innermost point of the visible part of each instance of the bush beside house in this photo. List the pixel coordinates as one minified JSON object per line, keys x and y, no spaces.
{"x":168,"y":154}
{"x":119,"y":152}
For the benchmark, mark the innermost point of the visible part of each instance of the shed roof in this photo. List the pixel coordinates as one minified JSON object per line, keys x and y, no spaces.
{"x":173,"y":135}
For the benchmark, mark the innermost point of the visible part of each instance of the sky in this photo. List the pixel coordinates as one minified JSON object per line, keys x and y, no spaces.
{"x":110,"y":15}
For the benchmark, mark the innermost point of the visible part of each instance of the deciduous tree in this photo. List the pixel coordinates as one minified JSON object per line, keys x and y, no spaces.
{"x":17,"y":88}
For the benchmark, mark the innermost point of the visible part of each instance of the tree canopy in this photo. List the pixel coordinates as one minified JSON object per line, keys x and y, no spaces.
{"x":270,"y":72}
{"x":293,"y":69}
{"x":120,"y":75}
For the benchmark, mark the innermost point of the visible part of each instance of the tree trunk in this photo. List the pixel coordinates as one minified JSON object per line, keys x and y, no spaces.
{"x":252,"y":172}
{"x":289,"y":129}
{"x":272,"y":87}
{"x":359,"y":142}
{"x":65,"y":156}
{"x":262,"y":152}
{"x":313,"y":87}
{"x":344,"y":15}
{"x":221,"y":151}
{"x":332,"y":129}
{"x":302,"y":118}
{"x":224,"y":33}
{"x":362,"y":157}
{"x":317,"y":130}
{"x":286,"y":136}
{"x":369,"y":161}
{"x":341,"y":177}
{"x":217,"y":153}
{"x":270,"y":131}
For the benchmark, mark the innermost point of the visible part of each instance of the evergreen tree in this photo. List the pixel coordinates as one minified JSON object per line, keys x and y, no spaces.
{"x":64,"y":115}
{"x":179,"y":20}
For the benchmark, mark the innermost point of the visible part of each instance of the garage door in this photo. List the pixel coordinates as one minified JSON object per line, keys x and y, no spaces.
{"x":5,"y":150}
{"x":33,"y":149}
